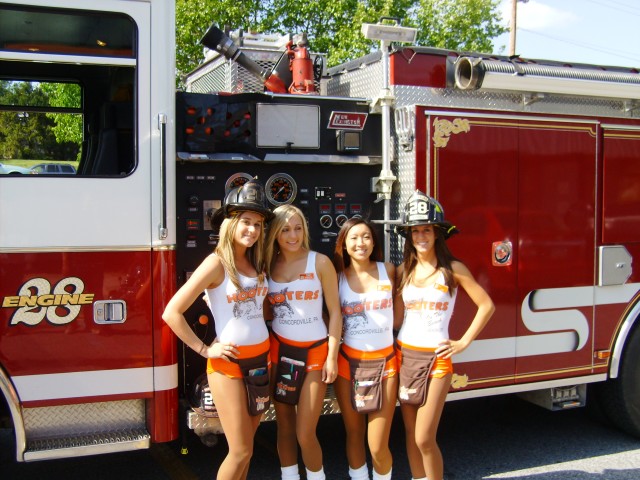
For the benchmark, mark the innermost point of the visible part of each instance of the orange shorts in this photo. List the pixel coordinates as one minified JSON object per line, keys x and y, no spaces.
{"x":390,"y":368}
{"x":441,"y":366}
{"x":316,"y":357}
{"x":232,"y":369}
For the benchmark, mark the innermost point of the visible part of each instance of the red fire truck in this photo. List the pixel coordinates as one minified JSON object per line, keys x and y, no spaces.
{"x":535,"y":162}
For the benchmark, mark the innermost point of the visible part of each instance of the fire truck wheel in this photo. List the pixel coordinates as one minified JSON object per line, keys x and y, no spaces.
{"x":620,"y":397}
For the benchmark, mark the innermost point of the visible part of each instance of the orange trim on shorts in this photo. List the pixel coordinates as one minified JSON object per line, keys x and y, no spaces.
{"x":232,"y":369}
{"x":390,"y":367}
{"x":441,"y":366}
{"x":316,"y":357}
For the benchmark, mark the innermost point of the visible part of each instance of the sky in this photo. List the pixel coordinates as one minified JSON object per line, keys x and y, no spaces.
{"x":598,"y":32}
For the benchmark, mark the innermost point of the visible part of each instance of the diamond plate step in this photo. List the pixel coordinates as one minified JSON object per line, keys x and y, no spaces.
{"x":87,"y":444}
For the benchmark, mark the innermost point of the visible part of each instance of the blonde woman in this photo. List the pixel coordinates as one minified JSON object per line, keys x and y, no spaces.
{"x":234,"y":283}
{"x":303,"y":350}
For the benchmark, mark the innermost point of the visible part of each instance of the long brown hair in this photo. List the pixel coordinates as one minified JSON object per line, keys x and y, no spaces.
{"x":341,"y":259}
{"x":444,"y":259}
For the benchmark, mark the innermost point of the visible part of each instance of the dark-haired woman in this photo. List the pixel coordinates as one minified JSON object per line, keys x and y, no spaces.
{"x":429,"y":279}
{"x":367,"y":385}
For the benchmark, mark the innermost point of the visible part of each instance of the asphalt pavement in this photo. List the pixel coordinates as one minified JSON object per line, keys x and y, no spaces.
{"x":481,"y":439}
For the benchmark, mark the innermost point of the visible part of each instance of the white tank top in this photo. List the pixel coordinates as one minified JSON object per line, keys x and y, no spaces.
{"x":297,"y":306}
{"x":367,"y":317}
{"x":238,"y":314}
{"x":427,"y":312}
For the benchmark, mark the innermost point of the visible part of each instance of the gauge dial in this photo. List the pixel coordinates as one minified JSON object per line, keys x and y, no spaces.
{"x":281,"y":189}
{"x":236,"y":180}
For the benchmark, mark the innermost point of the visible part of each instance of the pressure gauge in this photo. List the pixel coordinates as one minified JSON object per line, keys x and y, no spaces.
{"x":281,"y":189}
{"x":236,"y":180}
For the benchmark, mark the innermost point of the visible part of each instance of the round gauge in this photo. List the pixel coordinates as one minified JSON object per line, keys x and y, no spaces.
{"x":281,"y":189}
{"x":236,"y":180}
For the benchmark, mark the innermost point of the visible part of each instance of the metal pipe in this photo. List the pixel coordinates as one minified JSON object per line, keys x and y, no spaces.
{"x":472,"y":73}
{"x":215,"y":39}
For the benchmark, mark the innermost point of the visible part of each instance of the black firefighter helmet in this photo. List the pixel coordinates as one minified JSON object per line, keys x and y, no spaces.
{"x":422,"y":209}
{"x":248,"y":197}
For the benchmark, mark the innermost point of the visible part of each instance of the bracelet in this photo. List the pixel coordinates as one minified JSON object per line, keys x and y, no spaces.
{"x":202,"y":347}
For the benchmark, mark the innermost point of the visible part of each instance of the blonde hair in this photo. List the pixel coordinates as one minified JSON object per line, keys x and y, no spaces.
{"x":283,"y":214}
{"x":225,"y":250}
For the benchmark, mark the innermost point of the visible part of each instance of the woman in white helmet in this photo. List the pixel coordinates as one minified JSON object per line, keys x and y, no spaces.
{"x":428,"y":281}
{"x":235,"y":287}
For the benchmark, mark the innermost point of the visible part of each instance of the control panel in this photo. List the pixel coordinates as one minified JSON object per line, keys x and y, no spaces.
{"x":328,"y":195}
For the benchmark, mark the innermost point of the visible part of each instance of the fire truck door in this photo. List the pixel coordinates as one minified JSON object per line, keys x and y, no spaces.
{"x":556,"y":212}
{"x":473,"y":171}
{"x":529,"y":185}
{"x":76,"y":250}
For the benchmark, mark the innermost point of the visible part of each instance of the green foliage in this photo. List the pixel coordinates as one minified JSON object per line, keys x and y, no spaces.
{"x":333,"y":26}
{"x":458,"y":24}
{"x":29,"y":134}
{"x":68,"y":128}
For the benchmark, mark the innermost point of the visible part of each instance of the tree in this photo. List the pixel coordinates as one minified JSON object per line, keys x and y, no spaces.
{"x":333,"y":26}
{"x":68,"y":128}
{"x":28,"y":134}
{"x":458,"y":24}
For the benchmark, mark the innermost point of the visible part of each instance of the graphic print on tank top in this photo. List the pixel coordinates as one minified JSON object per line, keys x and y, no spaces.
{"x":297,"y":305}
{"x":281,"y":308}
{"x":354,"y":316}
{"x":367,"y":317}
{"x":245,"y":304}
{"x":428,"y":311}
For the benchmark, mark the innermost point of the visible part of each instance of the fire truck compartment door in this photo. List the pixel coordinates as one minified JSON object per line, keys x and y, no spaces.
{"x":76,"y":252}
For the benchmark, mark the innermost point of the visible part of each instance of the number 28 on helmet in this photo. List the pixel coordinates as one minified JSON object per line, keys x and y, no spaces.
{"x":422,"y":209}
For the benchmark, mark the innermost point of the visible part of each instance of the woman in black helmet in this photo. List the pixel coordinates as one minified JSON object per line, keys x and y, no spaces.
{"x":428,"y":280}
{"x":234,"y":284}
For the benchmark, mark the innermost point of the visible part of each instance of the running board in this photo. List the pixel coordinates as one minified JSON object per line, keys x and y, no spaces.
{"x":88,"y":444}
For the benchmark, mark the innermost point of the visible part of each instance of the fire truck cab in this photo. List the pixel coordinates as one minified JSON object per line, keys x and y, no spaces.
{"x":535,"y":162}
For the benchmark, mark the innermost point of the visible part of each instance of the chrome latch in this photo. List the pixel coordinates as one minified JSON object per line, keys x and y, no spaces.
{"x":109,"y":311}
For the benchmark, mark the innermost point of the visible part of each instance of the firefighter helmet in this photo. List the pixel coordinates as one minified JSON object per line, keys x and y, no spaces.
{"x":247,"y":197}
{"x":422,"y":209}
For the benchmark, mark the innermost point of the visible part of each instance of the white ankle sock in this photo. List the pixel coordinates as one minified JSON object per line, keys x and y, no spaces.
{"x":319,"y":475}
{"x":423,"y":478}
{"x":290,"y":473}
{"x":377,"y":476}
{"x":361,"y":473}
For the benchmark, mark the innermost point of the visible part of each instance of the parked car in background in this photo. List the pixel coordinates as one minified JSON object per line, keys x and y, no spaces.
{"x":13,"y":170}
{"x":53,"y":169}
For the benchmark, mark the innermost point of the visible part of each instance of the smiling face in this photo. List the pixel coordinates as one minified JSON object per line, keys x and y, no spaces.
{"x":423,"y":238}
{"x":359,"y":242}
{"x":248,"y":229}
{"x":291,"y":236}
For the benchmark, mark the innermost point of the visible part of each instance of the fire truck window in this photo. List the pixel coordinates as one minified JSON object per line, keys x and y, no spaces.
{"x":67,"y":92}
{"x":40,"y":127}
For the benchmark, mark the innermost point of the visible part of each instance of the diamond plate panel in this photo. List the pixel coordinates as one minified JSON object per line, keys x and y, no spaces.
{"x":85,"y":418}
{"x":223,"y":75}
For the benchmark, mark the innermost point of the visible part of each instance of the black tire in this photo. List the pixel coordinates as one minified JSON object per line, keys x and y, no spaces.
{"x":620,"y":397}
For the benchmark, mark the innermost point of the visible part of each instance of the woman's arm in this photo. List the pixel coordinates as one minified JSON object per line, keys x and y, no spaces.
{"x":209,"y":274}
{"x":485,"y":306}
{"x":398,"y":304}
{"x":329,"y":280}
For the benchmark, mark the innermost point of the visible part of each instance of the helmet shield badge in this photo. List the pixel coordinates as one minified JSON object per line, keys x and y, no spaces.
{"x":421,"y":209}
